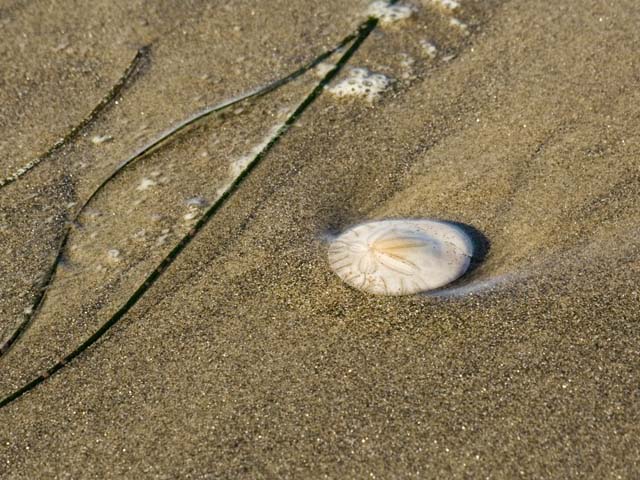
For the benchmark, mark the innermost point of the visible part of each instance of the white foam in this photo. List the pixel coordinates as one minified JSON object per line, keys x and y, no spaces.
{"x":145,"y":184}
{"x":323,"y":68}
{"x":198,"y":202}
{"x":140,"y":235}
{"x":449,"y":5}
{"x":98,"y":139}
{"x":460,"y":25}
{"x":407,"y":62}
{"x":238,"y":165}
{"x":429,"y":48}
{"x":162,"y":239}
{"x":388,"y":13}
{"x":361,"y":82}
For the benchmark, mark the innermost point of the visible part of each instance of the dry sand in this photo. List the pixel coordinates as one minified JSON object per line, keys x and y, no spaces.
{"x":248,"y":358}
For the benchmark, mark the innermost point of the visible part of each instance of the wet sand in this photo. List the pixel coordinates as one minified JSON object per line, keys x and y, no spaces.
{"x":248,"y":357}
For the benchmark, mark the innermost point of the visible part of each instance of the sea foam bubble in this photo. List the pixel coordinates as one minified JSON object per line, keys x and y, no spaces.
{"x":389,"y":13}
{"x":362,"y":82}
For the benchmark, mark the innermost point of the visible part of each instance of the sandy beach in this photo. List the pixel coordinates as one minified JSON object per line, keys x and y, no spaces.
{"x":176,"y":317}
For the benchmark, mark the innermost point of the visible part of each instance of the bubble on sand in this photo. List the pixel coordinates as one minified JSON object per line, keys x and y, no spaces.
{"x":198,"y":202}
{"x":361,"y":82}
{"x":145,"y":184}
{"x":448,"y":5}
{"x":323,"y":68}
{"x":400,"y":257}
{"x":195,"y":204}
{"x":240,"y":164}
{"x":92,"y":213}
{"x":162,"y":239}
{"x":429,"y":47}
{"x":190,"y":215}
{"x":388,"y":13}
{"x":407,"y":62}
{"x":140,"y":235}
{"x":460,"y":25}
{"x":98,"y":139}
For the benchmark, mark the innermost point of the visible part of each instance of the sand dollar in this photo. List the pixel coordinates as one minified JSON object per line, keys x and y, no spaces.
{"x":400,"y":257}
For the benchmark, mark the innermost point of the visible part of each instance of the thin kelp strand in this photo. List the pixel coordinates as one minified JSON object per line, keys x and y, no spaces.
{"x":114,"y":92}
{"x":160,"y":140}
{"x":363,"y":32}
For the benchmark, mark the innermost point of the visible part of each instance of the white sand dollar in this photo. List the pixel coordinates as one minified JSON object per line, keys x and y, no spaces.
{"x":400,"y":257}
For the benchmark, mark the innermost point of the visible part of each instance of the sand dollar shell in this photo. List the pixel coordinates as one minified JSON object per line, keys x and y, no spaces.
{"x":400,"y":257}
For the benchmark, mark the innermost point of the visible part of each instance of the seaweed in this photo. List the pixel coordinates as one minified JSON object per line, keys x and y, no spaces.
{"x":117,"y":88}
{"x":354,"y":41}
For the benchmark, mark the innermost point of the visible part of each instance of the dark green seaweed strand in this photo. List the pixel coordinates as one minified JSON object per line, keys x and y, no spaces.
{"x":128,"y":74}
{"x":363,"y":32}
{"x":163,"y":138}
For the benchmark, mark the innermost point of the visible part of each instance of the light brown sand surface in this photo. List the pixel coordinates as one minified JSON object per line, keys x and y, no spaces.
{"x":248,"y":358}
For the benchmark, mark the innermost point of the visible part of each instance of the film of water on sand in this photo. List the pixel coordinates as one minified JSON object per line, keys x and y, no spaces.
{"x":298,"y":239}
